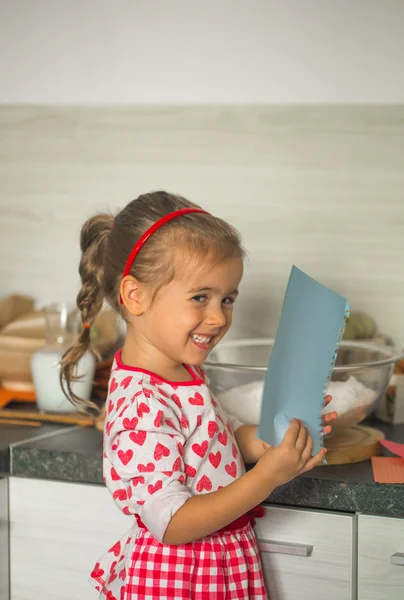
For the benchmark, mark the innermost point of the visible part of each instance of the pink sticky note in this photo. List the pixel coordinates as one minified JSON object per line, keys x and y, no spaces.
{"x":387,"y":469}
{"x":394,"y":447}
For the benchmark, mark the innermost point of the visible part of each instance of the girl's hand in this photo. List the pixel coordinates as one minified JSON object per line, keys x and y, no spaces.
{"x":280,"y":464}
{"x":252,"y":448}
{"x":327,"y":419}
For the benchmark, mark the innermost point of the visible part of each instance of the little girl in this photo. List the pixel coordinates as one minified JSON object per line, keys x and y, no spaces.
{"x":173,"y":459}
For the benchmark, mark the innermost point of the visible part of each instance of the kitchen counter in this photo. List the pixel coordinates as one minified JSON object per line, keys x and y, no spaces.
{"x":75,"y":454}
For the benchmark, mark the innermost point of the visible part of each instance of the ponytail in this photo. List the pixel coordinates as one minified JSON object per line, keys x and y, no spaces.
{"x":94,"y":235}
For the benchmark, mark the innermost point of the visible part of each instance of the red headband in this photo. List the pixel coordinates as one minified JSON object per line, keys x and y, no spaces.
{"x":149,"y":232}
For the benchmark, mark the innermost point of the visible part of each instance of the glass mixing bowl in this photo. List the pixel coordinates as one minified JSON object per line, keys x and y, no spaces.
{"x":359,"y":379}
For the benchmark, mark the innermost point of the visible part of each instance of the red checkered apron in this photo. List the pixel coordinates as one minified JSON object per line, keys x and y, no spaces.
{"x":223,"y":566}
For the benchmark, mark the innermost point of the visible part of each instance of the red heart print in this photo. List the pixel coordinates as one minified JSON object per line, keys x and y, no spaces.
{"x":222,"y":437}
{"x":152,"y":489}
{"x":190,"y":471}
{"x":196,"y":400}
{"x":200,"y":449}
{"x":120,"y":494}
{"x":123,"y":592}
{"x":146,"y":468}
{"x":122,"y":574}
{"x":110,"y":406}
{"x":220,"y":418}
{"x":160,"y":451}
{"x":213,"y":427}
{"x":130,"y":423}
{"x":114,"y":447}
{"x":154,"y":380}
{"x":176,"y":399}
{"x":215,"y":459}
{"x":140,"y":502}
{"x":180,"y":447}
{"x":120,"y":402}
{"x":123,"y":410}
{"x":97,"y":571}
{"x":204,"y":484}
{"x":177,"y":464}
{"x":234,"y":451}
{"x":163,"y":402}
{"x":114,"y":475}
{"x":125,"y":382}
{"x":230,"y":430}
{"x":130,"y":492}
{"x":159,"y":419}
{"x":142,"y":408}
{"x":181,"y":479}
{"x":116,"y":549}
{"x":184,"y":422}
{"x":138,"y":437}
{"x":128,"y":540}
{"x":126,"y":510}
{"x":231,"y":469}
{"x":170,"y":423}
{"x":113,"y":385}
{"x":112,"y":577}
{"x":125,"y":457}
{"x":109,"y":426}
{"x":162,"y":392}
{"x":215,"y":404}
{"x":167,"y":473}
{"x":199,"y":420}
{"x":139,"y":479}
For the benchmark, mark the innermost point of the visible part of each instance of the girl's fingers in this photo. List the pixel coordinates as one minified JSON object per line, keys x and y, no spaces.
{"x":327,"y":429}
{"x":308,"y":450}
{"x":315,"y":461}
{"x":292,"y":433}
{"x":327,"y":399}
{"x":329,"y":417}
{"x":301,"y":439}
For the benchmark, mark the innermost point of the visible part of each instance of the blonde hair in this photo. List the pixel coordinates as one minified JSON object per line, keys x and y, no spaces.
{"x":106,"y":243}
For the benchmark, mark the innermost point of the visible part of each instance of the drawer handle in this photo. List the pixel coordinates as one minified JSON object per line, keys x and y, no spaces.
{"x":397,"y":559}
{"x":285,"y":548}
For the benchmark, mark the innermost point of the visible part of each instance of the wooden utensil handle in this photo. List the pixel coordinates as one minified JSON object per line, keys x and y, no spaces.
{"x":21,"y":422}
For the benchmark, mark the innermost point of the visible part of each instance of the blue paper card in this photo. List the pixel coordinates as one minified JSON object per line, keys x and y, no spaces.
{"x":303,"y":356}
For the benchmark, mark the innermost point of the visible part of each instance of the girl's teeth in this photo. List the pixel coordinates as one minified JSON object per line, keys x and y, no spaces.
{"x":201,"y":340}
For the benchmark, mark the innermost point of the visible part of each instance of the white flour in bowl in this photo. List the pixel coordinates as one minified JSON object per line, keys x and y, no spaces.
{"x":350,"y":399}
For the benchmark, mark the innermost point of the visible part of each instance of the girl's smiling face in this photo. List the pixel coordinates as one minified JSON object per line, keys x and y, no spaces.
{"x":192,"y":313}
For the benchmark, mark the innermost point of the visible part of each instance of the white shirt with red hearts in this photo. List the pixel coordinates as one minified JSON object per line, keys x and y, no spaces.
{"x":164,"y":443}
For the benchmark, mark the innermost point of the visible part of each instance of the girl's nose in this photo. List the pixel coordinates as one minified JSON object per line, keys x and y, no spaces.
{"x":215,"y":316}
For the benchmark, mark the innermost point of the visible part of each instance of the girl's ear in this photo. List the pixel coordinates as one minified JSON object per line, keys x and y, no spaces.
{"x":134,"y":295}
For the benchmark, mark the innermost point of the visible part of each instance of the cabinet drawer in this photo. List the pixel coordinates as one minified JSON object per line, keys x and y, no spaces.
{"x":308,"y":554}
{"x":57,"y":533}
{"x":380,"y":558}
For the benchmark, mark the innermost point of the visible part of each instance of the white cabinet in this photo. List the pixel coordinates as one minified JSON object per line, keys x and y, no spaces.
{"x":380,"y":558}
{"x":308,"y":554}
{"x":4,"y":540}
{"x":57,"y":533}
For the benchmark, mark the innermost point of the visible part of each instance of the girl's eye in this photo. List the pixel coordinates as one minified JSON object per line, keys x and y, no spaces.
{"x":199,"y":298}
{"x":228,"y":301}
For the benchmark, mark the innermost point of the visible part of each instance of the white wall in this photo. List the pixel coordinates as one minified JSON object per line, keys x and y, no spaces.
{"x":210,"y":51}
{"x":321,"y":187}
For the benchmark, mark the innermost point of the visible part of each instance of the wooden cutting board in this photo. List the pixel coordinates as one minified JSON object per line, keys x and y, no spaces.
{"x":27,"y":411}
{"x":353,"y":445}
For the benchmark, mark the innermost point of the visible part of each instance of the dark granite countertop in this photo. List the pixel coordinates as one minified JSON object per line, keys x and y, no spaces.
{"x":75,"y":454}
